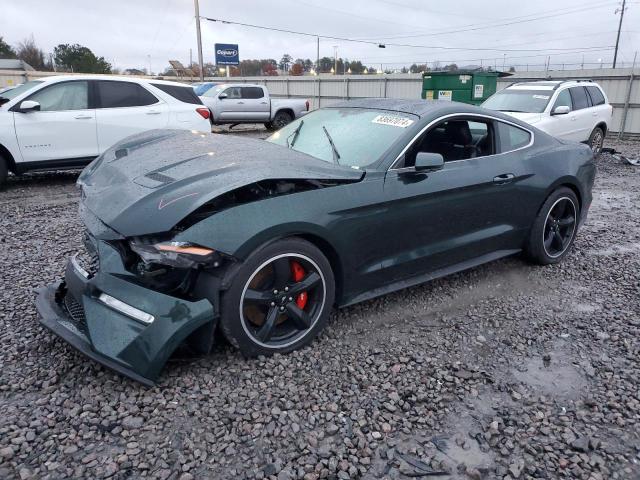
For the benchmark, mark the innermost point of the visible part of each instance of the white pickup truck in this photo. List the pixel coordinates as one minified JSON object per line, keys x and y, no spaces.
{"x":248,"y":103}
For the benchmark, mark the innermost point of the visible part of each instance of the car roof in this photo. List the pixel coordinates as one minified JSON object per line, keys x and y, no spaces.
{"x":550,"y":84}
{"x":62,"y":78}
{"x":417,"y":107}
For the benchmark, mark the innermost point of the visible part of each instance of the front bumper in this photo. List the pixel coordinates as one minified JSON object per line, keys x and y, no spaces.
{"x":73,"y":311}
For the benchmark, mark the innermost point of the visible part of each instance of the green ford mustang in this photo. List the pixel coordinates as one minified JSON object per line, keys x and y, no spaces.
{"x":189,"y":234}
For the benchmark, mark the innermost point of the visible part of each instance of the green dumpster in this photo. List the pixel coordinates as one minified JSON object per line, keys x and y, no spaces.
{"x":466,"y":86}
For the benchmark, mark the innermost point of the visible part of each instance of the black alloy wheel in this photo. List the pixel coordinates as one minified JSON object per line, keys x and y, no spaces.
{"x":559,"y":227}
{"x":282,"y":300}
{"x":279,"y":299}
{"x":554,"y":228}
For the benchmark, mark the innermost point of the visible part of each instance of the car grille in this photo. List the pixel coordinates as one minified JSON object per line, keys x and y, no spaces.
{"x":87,"y":257}
{"x":76,"y":313}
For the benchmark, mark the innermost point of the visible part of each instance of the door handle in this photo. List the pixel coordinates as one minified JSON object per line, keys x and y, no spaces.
{"x":504,"y":178}
{"x":263,"y":103}
{"x":83,"y":117}
{"x":240,"y":103}
{"x":153,"y":112}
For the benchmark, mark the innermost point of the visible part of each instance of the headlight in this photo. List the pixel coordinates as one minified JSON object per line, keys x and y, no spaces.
{"x":175,"y":254}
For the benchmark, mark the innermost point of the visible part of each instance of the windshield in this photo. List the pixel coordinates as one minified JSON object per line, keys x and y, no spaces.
{"x":512,"y":100}
{"x":213,"y":92}
{"x":201,"y":88}
{"x":359,"y":136}
{"x":19,"y":90}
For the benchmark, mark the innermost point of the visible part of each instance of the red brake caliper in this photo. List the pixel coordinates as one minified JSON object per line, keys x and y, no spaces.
{"x":298,"y":274}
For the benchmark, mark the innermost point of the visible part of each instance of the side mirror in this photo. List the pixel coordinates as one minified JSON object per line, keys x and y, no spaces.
{"x":29,"y":106}
{"x":428,"y":162}
{"x":561,"y":110}
{"x":222,"y":96}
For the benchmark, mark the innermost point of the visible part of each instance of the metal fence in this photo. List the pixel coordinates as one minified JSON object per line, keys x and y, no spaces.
{"x":621,"y":85}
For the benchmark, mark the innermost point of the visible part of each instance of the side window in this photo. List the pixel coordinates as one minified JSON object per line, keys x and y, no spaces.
{"x":579,"y":98}
{"x":455,"y":140}
{"x":512,"y":138}
{"x":112,"y":94}
{"x":183,"y":94}
{"x":233,"y":92}
{"x":72,"y":95}
{"x":252,"y":92}
{"x":563,"y":100}
{"x":597,"y":98}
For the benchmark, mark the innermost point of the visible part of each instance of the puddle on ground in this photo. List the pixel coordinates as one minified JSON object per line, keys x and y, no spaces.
{"x":553,"y":375}
{"x":617,"y":249}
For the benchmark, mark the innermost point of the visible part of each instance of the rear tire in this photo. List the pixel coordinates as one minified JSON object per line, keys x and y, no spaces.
{"x":554,"y":229}
{"x":4,"y":170}
{"x":596,"y":140}
{"x":267,"y":309}
{"x":282,"y":119}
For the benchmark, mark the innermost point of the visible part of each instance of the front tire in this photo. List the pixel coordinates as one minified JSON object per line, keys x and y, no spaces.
{"x":279,"y":299}
{"x":596,"y":140}
{"x":554,"y":229}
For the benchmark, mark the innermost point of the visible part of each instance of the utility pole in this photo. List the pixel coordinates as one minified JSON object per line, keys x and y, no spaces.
{"x":615,"y":53}
{"x":318,"y":57}
{"x":335,"y":59}
{"x":197,"y":7}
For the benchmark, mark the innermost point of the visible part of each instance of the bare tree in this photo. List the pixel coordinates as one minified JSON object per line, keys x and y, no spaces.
{"x":29,"y":52}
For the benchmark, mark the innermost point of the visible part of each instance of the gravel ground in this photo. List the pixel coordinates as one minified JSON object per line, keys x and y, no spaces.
{"x":505,"y":371}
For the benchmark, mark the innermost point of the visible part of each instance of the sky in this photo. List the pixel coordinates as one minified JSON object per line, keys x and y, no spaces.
{"x":143,"y":33}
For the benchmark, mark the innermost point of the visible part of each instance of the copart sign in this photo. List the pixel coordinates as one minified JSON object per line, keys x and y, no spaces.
{"x":227,"y":54}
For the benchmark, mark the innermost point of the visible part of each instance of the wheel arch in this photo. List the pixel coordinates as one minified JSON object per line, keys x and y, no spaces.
{"x":288,"y":110}
{"x":602,"y":125}
{"x":567,"y":182}
{"x":312,"y":236}
{"x":6,"y":154}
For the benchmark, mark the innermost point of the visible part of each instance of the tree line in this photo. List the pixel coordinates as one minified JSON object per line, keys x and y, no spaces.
{"x":65,"y":57}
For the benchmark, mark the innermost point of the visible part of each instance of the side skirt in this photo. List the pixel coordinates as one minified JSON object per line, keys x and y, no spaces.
{"x":417,"y":280}
{"x":58,"y":164}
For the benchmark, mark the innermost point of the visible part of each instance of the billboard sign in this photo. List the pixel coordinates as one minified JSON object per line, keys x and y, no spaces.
{"x":227,"y":54}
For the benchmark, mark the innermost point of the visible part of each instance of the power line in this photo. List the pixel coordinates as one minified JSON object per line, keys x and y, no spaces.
{"x":382,"y":45}
{"x":512,"y":21}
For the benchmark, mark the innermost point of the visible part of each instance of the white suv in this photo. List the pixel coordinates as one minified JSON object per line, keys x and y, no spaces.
{"x":572,"y":109}
{"x":67,"y":121}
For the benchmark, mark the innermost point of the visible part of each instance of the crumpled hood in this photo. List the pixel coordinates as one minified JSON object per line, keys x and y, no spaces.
{"x":149,"y":182}
{"x":531,"y":118}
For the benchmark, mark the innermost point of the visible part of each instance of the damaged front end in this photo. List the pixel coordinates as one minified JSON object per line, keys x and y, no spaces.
{"x":130,"y":304}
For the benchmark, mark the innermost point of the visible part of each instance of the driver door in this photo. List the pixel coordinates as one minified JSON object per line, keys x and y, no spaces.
{"x":64,"y":128}
{"x":457,"y":216}
{"x":232,"y":106}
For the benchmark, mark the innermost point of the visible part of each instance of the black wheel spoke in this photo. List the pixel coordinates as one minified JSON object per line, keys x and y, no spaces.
{"x":307,"y":283}
{"x":258,"y":296}
{"x":266,"y":330}
{"x":567,"y":221}
{"x":298,"y":316}
{"x":558,"y":239}
{"x":548,"y":238}
{"x":282,"y":273}
{"x":270,"y":312}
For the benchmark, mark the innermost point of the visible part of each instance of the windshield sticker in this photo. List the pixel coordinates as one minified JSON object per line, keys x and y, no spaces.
{"x":392,"y":120}
{"x":541,"y":97}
